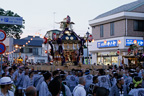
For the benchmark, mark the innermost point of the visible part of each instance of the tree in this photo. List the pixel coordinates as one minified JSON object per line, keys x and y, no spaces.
{"x":11,"y":30}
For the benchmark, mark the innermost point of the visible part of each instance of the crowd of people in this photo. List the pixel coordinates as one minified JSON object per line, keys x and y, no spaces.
{"x":23,"y":81}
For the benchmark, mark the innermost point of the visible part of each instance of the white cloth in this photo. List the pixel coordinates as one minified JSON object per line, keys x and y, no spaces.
{"x":44,"y":91}
{"x":27,"y":82}
{"x":137,"y":92}
{"x":67,"y":91}
{"x":104,"y":81}
{"x":79,"y":90}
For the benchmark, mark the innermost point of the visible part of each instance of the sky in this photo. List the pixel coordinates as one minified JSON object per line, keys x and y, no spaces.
{"x":43,"y":15}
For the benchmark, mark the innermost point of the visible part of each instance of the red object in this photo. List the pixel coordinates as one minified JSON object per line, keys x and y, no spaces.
{"x":2,"y":35}
{"x":2,"y":48}
{"x":54,"y":36}
{"x":90,"y":38}
{"x":45,"y":51}
{"x":45,"y":40}
{"x":118,"y":52}
{"x":129,"y":50}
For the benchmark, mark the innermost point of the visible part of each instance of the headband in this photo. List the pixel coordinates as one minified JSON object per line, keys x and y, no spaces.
{"x":136,"y":83}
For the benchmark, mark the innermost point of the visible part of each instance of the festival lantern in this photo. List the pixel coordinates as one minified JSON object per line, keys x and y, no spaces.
{"x":135,"y":41}
{"x":45,"y":40}
{"x":119,"y":42}
{"x":54,"y":36}
{"x":45,"y":51}
{"x":105,"y":41}
{"x":90,"y":38}
{"x":118,"y":52}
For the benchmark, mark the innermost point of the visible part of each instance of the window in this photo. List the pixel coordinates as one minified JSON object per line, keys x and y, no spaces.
{"x":22,"y":50}
{"x":30,"y":50}
{"x":101,"y":30}
{"x":35,"y":51}
{"x":112,"y":29}
{"x":138,"y":25}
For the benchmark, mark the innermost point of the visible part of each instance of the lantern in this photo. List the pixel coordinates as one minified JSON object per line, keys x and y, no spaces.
{"x":45,"y":51}
{"x":135,"y":41}
{"x":105,"y":41}
{"x":54,"y":36}
{"x":119,"y":42}
{"x":118,"y":52}
{"x":90,"y":38}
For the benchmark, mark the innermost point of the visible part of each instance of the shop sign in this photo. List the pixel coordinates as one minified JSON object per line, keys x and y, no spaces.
{"x":111,"y":43}
{"x":134,"y":41}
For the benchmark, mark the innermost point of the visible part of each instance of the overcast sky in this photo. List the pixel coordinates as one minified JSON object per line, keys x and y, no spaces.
{"x":39,"y":14}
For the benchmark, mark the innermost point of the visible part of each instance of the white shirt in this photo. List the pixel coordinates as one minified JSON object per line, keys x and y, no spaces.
{"x":79,"y":90}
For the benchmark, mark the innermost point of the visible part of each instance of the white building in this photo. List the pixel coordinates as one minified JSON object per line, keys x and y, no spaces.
{"x":117,"y":29}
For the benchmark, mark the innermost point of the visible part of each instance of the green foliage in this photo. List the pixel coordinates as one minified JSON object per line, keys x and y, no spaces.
{"x":11,"y":30}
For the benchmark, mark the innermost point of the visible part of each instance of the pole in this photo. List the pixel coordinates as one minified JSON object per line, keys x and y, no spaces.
{"x":87,"y":49}
{"x":48,"y":53}
{"x":1,"y":64}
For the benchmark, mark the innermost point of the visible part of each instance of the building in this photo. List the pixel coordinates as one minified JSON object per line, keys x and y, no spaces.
{"x":29,"y":49}
{"x":117,"y":30}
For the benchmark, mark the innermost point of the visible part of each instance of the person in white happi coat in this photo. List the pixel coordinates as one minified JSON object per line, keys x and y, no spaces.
{"x":92,"y":85}
{"x":89,"y":79}
{"x":79,"y":89}
{"x":103,"y":80}
{"x":137,"y":91}
{"x":6,"y":84}
{"x":44,"y":91}
{"x":28,"y":80}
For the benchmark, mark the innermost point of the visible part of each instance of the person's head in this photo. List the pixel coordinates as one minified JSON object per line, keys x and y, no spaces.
{"x":27,"y":70}
{"x":21,"y":70}
{"x":100,"y":91}
{"x":137,"y":81}
{"x":31,"y":74}
{"x":11,"y":71}
{"x":137,"y":69}
{"x":62,"y":75}
{"x":55,"y":73}
{"x":47,"y":77}
{"x":101,"y":72}
{"x":5,"y":69}
{"x":31,"y":91}
{"x":87,"y":72}
{"x":14,"y":67}
{"x":55,"y":86}
{"x":120,"y":80}
{"x":82,"y":81}
{"x":115,"y":75}
{"x":4,"y":75}
{"x":95,"y":79}
{"x":6,"y":83}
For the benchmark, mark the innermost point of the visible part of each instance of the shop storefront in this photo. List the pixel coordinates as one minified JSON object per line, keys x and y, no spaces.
{"x":105,"y":51}
{"x":109,"y":58}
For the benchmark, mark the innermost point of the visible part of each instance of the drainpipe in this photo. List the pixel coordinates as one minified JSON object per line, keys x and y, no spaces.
{"x":126,"y":27}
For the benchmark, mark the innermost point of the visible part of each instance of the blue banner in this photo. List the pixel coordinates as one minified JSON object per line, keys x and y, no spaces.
{"x":134,"y":41}
{"x":111,"y":43}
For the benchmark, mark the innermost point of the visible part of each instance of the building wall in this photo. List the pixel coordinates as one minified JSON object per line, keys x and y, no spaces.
{"x":119,"y":30}
{"x":130,"y":29}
